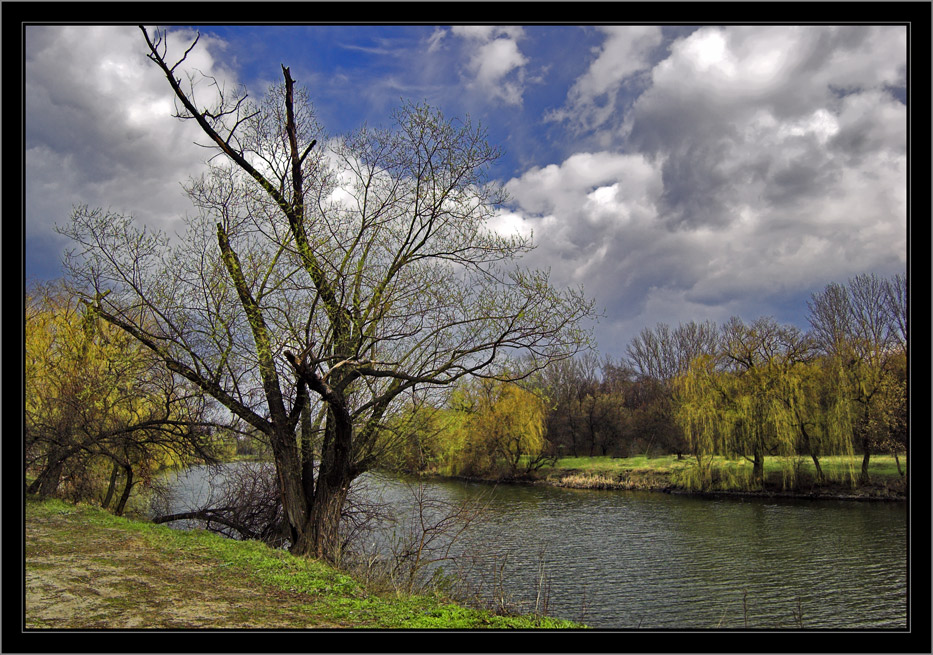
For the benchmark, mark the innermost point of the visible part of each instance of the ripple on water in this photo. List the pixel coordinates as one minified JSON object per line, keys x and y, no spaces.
{"x":623,"y":559}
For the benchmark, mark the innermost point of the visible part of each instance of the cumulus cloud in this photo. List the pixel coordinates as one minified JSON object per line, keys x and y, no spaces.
{"x":752,"y":119}
{"x":592,"y":99}
{"x":761,"y":163}
{"x":727,"y":170}
{"x":496,"y":63}
{"x":99,"y":128}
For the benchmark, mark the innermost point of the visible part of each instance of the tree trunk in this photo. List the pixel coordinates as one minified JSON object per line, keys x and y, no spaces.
{"x":333,"y":483}
{"x":819,"y":469}
{"x":113,"y":484}
{"x":809,"y":446}
{"x":865,"y":459}
{"x":324,"y":522}
{"x":897,"y":460}
{"x":46,"y":484}
{"x":126,"y":491}
{"x":313,"y":505}
{"x":758,"y":467}
{"x":50,"y":477}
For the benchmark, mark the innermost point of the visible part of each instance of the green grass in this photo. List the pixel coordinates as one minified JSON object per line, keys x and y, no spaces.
{"x":731,"y":474}
{"x":316,"y":593}
{"x":880,"y":465}
{"x":619,"y":464}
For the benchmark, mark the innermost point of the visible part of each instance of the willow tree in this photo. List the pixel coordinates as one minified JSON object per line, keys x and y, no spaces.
{"x":318,"y":286}
{"x":502,"y":431}
{"x":704,"y":411}
{"x":95,"y":402}
{"x":862,"y":325}
{"x":763,"y":395}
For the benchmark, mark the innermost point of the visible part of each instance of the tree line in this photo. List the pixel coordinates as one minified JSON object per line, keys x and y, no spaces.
{"x":741,"y":390}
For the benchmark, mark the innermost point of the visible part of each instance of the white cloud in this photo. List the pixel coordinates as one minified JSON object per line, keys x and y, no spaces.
{"x":487,"y":32}
{"x":591,"y":100}
{"x":496,"y":62}
{"x":732,"y":197}
{"x":434,"y":41}
{"x":99,"y":127}
{"x":729,"y":168}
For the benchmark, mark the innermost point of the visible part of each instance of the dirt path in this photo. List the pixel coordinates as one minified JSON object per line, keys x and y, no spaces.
{"x":105,"y":578}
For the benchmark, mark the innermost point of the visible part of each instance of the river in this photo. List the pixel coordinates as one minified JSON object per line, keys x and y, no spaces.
{"x":624,"y":559}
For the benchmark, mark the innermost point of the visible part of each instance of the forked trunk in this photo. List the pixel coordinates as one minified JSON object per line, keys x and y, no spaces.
{"x":317,"y":533}
{"x":313,"y":507}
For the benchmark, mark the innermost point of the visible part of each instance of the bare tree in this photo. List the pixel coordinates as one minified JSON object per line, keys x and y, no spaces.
{"x":243,"y":502}
{"x":662,"y":353}
{"x":318,"y":287}
{"x":863,"y":324}
{"x":831,"y":318}
{"x":896,"y":307}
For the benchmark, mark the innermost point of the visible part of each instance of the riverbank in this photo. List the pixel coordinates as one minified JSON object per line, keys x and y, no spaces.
{"x":667,"y":474}
{"x":87,"y":569}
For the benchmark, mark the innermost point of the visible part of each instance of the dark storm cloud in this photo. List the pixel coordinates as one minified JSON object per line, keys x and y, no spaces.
{"x":697,"y":186}
{"x":99,"y":130}
{"x":699,"y":173}
{"x":777,"y":164}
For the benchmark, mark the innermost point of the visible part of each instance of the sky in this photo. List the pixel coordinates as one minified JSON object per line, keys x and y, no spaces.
{"x":677,"y":173}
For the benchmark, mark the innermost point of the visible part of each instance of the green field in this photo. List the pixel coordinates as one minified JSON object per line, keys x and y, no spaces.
{"x":841,"y":472}
{"x":880,"y":465}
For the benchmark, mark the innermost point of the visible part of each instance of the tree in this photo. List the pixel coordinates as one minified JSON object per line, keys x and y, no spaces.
{"x":418,"y":436}
{"x":760,"y":397}
{"x":564,"y":382}
{"x":93,"y":397}
{"x":318,"y":287}
{"x":659,"y":356}
{"x":663,"y":354}
{"x":764,"y":357}
{"x":503,"y":429}
{"x":652,"y":421}
{"x":863,"y":325}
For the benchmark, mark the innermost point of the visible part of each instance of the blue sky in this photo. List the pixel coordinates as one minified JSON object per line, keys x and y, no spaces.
{"x":677,"y":173}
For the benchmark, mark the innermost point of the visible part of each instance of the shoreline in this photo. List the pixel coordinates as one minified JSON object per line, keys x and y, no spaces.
{"x":660,"y":483}
{"x":85,"y":569}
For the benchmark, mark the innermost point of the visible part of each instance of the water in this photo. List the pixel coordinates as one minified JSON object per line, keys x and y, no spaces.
{"x":622,"y":559}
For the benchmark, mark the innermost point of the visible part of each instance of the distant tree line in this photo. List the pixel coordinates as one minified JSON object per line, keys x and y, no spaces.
{"x":103,"y":416}
{"x":742,"y":389}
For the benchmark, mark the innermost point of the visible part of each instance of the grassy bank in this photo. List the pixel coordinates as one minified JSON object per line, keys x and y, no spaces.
{"x":667,"y":473}
{"x":86,"y":568}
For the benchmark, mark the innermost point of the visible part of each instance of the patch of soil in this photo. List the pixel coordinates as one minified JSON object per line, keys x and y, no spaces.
{"x":104,"y":578}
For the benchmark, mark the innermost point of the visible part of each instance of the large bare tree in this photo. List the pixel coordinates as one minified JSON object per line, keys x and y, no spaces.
{"x":318,"y":287}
